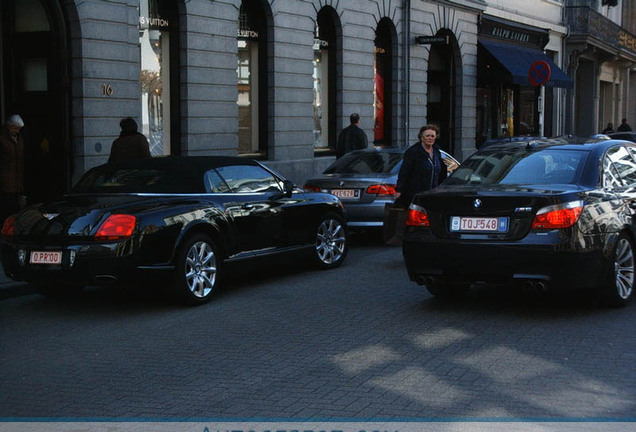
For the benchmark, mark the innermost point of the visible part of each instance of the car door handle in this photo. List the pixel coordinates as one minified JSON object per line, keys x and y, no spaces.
{"x":248,"y":207}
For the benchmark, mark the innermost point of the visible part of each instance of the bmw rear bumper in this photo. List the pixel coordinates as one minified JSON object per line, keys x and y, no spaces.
{"x":551,"y":258}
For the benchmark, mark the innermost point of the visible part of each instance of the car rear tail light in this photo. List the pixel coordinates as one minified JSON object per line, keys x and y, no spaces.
{"x":8,"y":229}
{"x":417,"y":216}
{"x":310,"y":188}
{"x":558,"y":216}
{"x":116,"y":227}
{"x":382,"y":189}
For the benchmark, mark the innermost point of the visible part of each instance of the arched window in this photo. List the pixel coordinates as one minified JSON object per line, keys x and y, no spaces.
{"x":326,"y":64}
{"x":252,"y":71}
{"x":383,"y":83}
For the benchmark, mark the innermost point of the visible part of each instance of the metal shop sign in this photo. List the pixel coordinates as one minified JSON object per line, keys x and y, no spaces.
{"x":431,"y":40}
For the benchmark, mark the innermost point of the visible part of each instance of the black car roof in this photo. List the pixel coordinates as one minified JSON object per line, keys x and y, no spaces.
{"x":178,"y":162}
{"x":565,"y":142}
{"x":181,"y":174}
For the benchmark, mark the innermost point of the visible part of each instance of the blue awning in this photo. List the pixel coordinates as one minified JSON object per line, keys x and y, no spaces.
{"x":517,"y":60}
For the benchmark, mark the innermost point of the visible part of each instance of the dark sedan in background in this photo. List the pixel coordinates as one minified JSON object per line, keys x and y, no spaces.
{"x":365,"y":180}
{"x":182,"y":219}
{"x":546,"y":214}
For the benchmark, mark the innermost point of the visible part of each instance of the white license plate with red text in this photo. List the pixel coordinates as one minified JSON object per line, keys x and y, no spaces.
{"x":478,"y":224}
{"x":45,"y":257}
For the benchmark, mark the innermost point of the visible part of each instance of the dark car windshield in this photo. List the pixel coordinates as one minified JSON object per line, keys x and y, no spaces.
{"x":548,"y":166}
{"x":365,"y":163}
{"x":107,"y":179}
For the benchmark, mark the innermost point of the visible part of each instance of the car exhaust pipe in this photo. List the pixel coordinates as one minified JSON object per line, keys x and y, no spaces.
{"x":534,"y":286}
{"x":429,"y":281}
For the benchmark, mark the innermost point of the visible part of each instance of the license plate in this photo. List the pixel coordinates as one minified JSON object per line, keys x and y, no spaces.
{"x":346,"y":193}
{"x":45,"y":257}
{"x":479,"y":224}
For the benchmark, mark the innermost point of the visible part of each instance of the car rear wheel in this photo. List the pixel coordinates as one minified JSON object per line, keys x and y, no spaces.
{"x":331,"y":241}
{"x":197,"y":274}
{"x":620,"y":285}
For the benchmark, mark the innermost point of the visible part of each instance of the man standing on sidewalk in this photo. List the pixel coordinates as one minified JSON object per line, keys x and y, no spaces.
{"x":11,"y":168}
{"x":352,"y":137}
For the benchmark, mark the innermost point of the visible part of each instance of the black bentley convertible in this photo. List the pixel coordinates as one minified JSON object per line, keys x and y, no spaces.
{"x":180,"y":220}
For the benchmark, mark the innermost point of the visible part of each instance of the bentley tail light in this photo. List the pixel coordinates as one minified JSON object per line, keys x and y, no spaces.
{"x":9,"y":226}
{"x":417,"y":216}
{"x":558,"y":216}
{"x":116,"y":227}
{"x":381,"y":189}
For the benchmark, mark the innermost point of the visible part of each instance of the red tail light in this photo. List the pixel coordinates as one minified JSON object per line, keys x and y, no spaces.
{"x":381,"y":189}
{"x":417,"y":216}
{"x":558,"y":216}
{"x":310,"y":188}
{"x":8,"y":228}
{"x":116,"y":227}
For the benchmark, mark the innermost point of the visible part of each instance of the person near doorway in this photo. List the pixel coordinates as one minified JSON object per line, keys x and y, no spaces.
{"x":352,"y":137}
{"x":608,"y":129}
{"x":130,"y":144}
{"x":12,"y":197}
{"x":624,"y":126}
{"x":422,"y":167}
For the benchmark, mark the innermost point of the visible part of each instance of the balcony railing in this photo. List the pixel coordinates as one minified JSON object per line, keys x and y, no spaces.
{"x":582,"y":20}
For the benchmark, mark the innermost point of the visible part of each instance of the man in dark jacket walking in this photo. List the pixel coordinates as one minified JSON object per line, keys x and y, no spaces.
{"x":352,"y":137}
{"x":130,"y":144}
{"x":624,"y":126}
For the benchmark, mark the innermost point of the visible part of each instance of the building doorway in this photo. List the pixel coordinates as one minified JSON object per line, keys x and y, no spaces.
{"x":440,"y":107}
{"x":35,"y":85}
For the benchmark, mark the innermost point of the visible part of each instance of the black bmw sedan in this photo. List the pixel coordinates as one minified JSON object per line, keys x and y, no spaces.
{"x":178,"y":220}
{"x":547,"y":214}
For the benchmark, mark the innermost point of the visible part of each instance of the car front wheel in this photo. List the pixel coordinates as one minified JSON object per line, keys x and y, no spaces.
{"x":197,"y":274}
{"x":331,"y":241}
{"x":620,"y":285}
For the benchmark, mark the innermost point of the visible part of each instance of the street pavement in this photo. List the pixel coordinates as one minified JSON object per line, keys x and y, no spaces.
{"x":359,"y":342}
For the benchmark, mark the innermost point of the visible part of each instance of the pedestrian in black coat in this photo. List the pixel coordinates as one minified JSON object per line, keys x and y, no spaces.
{"x":422,"y":167}
{"x":352,"y":137}
{"x":624,"y":126}
{"x":130,"y":144}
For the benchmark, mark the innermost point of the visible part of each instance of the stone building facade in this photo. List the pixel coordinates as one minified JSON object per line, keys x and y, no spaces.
{"x":274,"y":80}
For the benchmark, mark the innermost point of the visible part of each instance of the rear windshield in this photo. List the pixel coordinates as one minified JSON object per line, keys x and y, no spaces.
{"x":365,"y":163}
{"x":107,"y":179}
{"x":548,"y":166}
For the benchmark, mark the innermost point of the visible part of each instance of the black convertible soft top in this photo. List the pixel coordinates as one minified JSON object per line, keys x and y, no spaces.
{"x":166,"y":174}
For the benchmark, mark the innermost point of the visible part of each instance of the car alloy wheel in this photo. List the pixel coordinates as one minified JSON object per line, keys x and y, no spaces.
{"x":331,"y":241}
{"x":622,"y":282}
{"x":197,"y":269}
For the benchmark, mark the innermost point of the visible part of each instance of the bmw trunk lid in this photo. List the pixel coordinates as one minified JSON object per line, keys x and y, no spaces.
{"x":502,"y":212}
